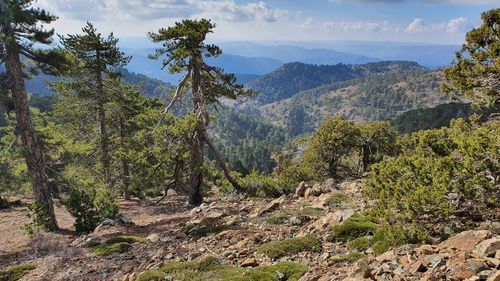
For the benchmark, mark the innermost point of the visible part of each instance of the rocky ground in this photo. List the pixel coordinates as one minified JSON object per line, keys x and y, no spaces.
{"x":231,"y":228}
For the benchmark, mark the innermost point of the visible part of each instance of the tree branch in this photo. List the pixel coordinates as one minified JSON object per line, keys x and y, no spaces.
{"x":177,"y":93}
{"x":227,"y":174}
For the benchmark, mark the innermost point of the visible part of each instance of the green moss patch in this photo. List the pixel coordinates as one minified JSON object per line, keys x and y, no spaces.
{"x":125,"y":239}
{"x":118,"y":244}
{"x":292,"y":246}
{"x":15,"y":272}
{"x":356,"y":226}
{"x":104,"y":250}
{"x":349,"y":258}
{"x":360,"y":243}
{"x":210,"y":268}
{"x":282,"y":217}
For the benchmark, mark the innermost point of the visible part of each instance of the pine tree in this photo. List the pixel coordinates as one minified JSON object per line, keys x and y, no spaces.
{"x":184,"y":47}
{"x":476,"y":71}
{"x":96,"y":58}
{"x":21,"y":26}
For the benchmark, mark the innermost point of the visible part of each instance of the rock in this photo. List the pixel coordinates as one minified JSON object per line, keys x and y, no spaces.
{"x":295,"y":221}
{"x":488,"y":248}
{"x":301,"y":189}
{"x":153,"y":238}
{"x":495,"y":276}
{"x":325,"y":256}
{"x":270,"y":207}
{"x":426,"y":250}
{"x":121,"y":219}
{"x":387,"y":256}
{"x":462,"y":275}
{"x":485,"y":274}
{"x":417,"y":267}
{"x":465,"y":241}
{"x":249,"y":262}
{"x":492,"y":262}
{"x":361,"y":269}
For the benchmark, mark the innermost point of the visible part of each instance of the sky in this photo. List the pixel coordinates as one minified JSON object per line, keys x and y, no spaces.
{"x":427,"y":21}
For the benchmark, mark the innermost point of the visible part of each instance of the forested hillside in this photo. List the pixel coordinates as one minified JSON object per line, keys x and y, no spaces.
{"x":308,"y":173}
{"x":293,"y":78}
{"x":374,"y":97}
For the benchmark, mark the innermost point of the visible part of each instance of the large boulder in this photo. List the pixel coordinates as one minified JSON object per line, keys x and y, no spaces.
{"x":465,"y":241}
{"x":488,"y":247}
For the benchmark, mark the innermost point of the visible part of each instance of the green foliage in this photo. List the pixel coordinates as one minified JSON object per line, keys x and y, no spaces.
{"x":360,"y":243}
{"x":291,"y":271}
{"x":476,"y":71}
{"x":256,"y":184}
{"x":16,"y":272}
{"x":104,"y":250}
{"x":210,"y":268}
{"x":331,"y":144}
{"x":377,"y":139}
{"x":151,"y":275}
{"x":291,"y":246}
{"x":431,"y":118}
{"x":397,"y":234}
{"x":359,"y":225}
{"x":39,"y":220}
{"x":88,"y":200}
{"x":276,"y":85}
{"x":349,"y":258}
{"x":442,"y":174}
{"x":247,"y":142}
{"x":125,"y":239}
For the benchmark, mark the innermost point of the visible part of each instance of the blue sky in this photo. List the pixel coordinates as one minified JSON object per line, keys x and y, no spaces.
{"x":433,"y":21}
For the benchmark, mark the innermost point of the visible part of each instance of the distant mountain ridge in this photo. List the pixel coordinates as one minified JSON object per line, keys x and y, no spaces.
{"x":293,"y":78}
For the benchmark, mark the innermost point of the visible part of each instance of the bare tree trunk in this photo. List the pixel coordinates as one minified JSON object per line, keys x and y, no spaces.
{"x":222,"y":164}
{"x":197,"y":142}
{"x":104,"y":142}
{"x":35,"y":157}
{"x":125,"y":165}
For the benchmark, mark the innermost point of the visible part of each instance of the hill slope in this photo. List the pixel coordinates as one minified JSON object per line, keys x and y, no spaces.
{"x":375,"y":97}
{"x":293,"y":78}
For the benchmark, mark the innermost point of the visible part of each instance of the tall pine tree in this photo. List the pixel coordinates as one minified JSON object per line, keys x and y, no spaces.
{"x":185,"y":49}
{"x":96,"y":57}
{"x":21,"y":26}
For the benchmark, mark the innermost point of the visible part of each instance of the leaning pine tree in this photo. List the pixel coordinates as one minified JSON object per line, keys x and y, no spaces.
{"x":21,"y":26}
{"x":185,"y":49}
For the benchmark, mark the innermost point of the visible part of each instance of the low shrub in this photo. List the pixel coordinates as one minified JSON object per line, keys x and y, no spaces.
{"x":255,"y":184}
{"x":125,"y":239}
{"x":104,"y":250}
{"x":349,"y":258}
{"x":16,"y":272}
{"x":291,"y":246}
{"x":395,"y":235}
{"x":356,"y":226}
{"x":202,"y":231}
{"x":210,"y":268}
{"x":360,"y":243}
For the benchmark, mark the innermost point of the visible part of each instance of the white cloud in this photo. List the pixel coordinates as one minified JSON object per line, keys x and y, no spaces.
{"x":458,"y":25}
{"x":464,"y":2}
{"x":357,"y":26}
{"x":224,"y":10}
{"x":308,"y":23}
{"x":417,"y":25}
{"x":453,"y":26}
